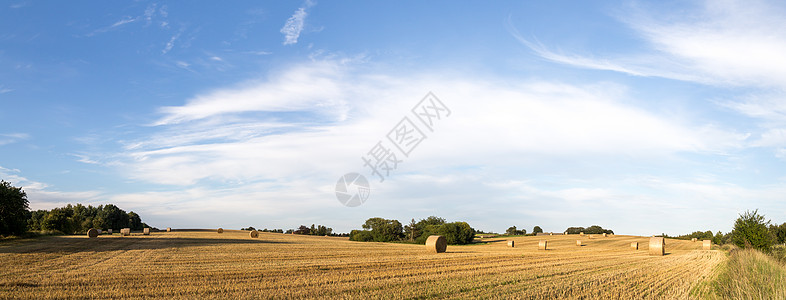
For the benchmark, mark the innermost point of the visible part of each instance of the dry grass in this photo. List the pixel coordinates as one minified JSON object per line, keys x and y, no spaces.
{"x":188,"y":265}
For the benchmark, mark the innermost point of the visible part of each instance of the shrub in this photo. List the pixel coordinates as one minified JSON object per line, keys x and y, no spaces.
{"x":13,"y":209}
{"x":361,"y":236}
{"x":751,"y":231}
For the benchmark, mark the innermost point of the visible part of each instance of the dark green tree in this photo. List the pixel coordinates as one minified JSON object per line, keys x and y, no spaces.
{"x":751,"y":231}
{"x":114,"y":217}
{"x":779,"y":233}
{"x":456,"y":233}
{"x":384,"y":230}
{"x":537,"y":230}
{"x":512,"y":230}
{"x":14,"y":209}
{"x":411,"y":230}
{"x":360,"y":236}
{"x":134,"y":221}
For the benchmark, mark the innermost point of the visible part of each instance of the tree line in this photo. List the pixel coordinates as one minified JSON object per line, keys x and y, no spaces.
{"x":751,"y":230}
{"x":16,"y":217}
{"x":385,"y":230}
{"x":320,"y":230}
{"x":594,"y":229}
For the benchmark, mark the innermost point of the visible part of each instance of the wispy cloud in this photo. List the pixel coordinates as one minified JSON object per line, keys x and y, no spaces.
{"x":736,"y":43}
{"x":727,"y":44}
{"x":148,"y":15}
{"x":42,"y":196}
{"x":4,"y":89}
{"x":288,"y":137}
{"x":124,"y":21}
{"x":295,"y":23}
{"x":171,"y":43}
{"x":10,"y":138}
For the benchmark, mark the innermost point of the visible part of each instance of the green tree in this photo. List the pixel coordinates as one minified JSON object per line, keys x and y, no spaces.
{"x":751,"y":231}
{"x":60,"y":219}
{"x":361,"y":236}
{"x":512,"y":230}
{"x":13,"y":209}
{"x":537,"y":230}
{"x":36,"y":219}
{"x":114,"y":217}
{"x":456,"y":233}
{"x":384,"y":230}
{"x":411,"y":230}
{"x":134,"y":221}
{"x":779,"y":233}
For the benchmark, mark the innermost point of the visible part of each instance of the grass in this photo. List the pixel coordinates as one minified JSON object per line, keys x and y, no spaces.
{"x":199,"y":264}
{"x":747,"y":274}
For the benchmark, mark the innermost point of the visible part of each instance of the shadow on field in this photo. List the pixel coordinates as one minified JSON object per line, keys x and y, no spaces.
{"x":66,"y":244}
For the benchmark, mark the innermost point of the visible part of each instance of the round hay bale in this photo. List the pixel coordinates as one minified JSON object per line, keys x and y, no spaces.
{"x":436,"y":243}
{"x":92,"y":233}
{"x":578,"y":243}
{"x":634,"y":245}
{"x":694,"y":239}
{"x":109,"y":230}
{"x":581,"y":233}
{"x":511,"y":244}
{"x":220,"y":230}
{"x":253,"y":234}
{"x":125,"y":231}
{"x":146,"y":231}
{"x":543,"y":245}
{"x":657,"y":246}
{"x":706,"y":245}
{"x":168,"y":229}
{"x":604,"y":234}
{"x":551,"y":233}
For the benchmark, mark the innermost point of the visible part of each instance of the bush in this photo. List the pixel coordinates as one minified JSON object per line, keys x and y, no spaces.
{"x":13,"y":209}
{"x":594,"y":229}
{"x":384,"y":230}
{"x":514,"y":231}
{"x":456,"y":233}
{"x":361,"y":236}
{"x":751,"y":231}
{"x":536,"y":230}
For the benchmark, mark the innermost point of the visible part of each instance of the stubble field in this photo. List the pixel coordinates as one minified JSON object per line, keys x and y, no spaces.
{"x":205,"y":264}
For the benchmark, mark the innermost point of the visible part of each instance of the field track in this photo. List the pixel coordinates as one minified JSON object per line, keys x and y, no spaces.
{"x":205,"y":264}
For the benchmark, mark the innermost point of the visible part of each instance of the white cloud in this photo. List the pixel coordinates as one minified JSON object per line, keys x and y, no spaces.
{"x":40,"y":194}
{"x":4,"y":90}
{"x":10,"y":138}
{"x":295,"y":23}
{"x":306,"y":87}
{"x":268,"y":145}
{"x":724,"y":43}
{"x":171,"y":43}
{"x":124,"y":21}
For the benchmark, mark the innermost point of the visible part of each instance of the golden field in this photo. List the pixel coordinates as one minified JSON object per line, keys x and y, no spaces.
{"x":205,"y":264}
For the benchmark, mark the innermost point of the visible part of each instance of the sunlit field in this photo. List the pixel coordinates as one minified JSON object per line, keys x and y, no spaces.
{"x":196,"y":264}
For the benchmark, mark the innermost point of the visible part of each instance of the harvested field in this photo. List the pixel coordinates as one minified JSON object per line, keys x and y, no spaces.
{"x":195,"y":264}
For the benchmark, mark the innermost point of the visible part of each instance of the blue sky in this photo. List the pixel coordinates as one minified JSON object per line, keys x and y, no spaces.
{"x":636,"y":116}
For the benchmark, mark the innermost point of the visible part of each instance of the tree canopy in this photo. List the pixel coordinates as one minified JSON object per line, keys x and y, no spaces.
{"x":14,"y":209}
